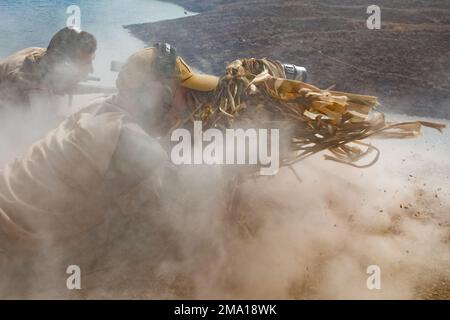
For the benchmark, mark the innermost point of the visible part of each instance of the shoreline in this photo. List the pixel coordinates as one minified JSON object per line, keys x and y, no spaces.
{"x":198,"y":6}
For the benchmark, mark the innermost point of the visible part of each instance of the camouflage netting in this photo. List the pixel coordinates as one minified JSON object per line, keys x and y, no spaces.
{"x":255,"y":91}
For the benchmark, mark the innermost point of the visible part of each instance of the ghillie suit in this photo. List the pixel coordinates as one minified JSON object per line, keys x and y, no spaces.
{"x":256,"y":91}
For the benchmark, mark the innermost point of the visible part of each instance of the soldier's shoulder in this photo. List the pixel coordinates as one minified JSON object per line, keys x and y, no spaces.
{"x":31,"y":54}
{"x":23,"y":61}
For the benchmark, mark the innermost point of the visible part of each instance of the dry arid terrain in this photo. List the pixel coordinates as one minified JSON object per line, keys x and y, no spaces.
{"x":406,"y":63}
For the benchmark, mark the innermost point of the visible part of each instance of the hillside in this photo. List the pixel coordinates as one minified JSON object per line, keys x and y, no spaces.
{"x":406,"y":63}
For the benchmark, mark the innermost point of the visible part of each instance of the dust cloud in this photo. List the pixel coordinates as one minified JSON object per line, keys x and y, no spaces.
{"x":309,"y":240}
{"x":285,"y":239}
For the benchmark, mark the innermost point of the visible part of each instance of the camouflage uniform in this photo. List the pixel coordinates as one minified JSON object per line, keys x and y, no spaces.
{"x":21,"y":74}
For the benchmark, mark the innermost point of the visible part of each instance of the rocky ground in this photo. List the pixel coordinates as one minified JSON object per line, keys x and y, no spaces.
{"x":406,"y":63}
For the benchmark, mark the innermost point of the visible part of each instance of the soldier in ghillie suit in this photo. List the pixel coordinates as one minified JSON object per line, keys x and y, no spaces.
{"x":257,"y":93}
